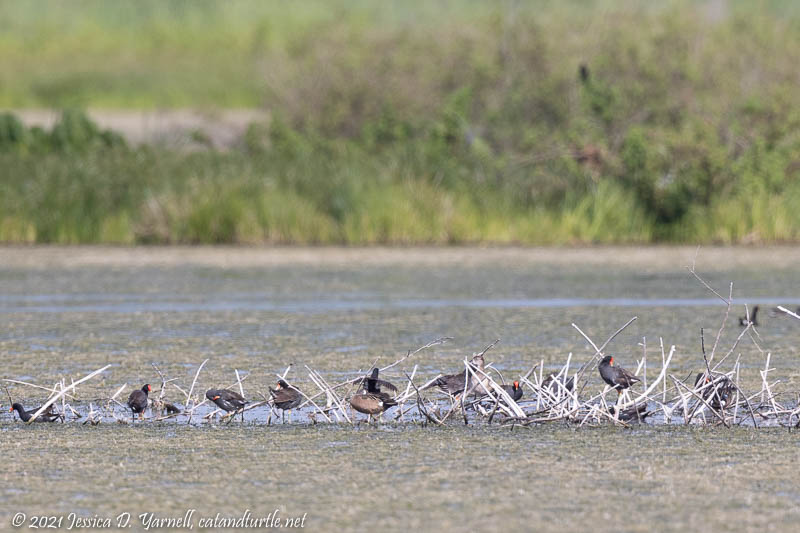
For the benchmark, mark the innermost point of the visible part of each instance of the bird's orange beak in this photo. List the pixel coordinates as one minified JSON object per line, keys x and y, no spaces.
{"x":11,"y":410}
{"x":516,"y":384}
{"x":215,"y":398}
{"x":611,"y":362}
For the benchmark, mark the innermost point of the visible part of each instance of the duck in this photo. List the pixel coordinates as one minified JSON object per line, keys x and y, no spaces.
{"x":753,"y":320}
{"x":285,"y":398}
{"x":227,"y":400}
{"x":370,"y":400}
{"x":137,"y":401}
{"x":454,"y":384}
{"x":47,"y":416}
{"x":616,"y":376}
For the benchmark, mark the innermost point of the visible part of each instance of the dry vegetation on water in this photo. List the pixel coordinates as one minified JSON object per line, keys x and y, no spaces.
{"x":401,"y":123}
{"x":714,"y":396}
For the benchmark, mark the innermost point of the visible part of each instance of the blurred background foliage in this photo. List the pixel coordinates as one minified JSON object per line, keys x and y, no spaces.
{"x":408,"y":122}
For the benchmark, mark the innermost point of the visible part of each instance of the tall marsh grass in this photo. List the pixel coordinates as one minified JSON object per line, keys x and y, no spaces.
{"x":410,"y":122}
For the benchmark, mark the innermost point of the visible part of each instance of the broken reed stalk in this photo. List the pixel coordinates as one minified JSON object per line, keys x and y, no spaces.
{"x":64,"y":390}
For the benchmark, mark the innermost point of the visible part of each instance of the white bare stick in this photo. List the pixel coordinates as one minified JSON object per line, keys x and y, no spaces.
{"x":795,"y":315}
{"x":55,"y":398}
{"x":52,"y":391}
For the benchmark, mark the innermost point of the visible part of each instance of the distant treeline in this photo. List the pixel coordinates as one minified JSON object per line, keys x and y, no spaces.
{"x":404,"y":122}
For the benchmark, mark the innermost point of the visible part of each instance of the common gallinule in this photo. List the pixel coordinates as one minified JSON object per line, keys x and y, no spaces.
{"x":514,"y":390}
{"x":637,"y":413}
{"x":370,"y":400}
{"x":551,"y":383}
{"x":227,"y":400}
{"x":137,"y":401}
{"x":46,"y":416}
{"x":724,"y":386}
{"x":753,"y":320}
{"x":285,"y":398}
{"x":616,"y":376}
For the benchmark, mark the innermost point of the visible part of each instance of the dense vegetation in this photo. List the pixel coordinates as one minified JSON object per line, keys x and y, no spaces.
{"x":398,"y":122}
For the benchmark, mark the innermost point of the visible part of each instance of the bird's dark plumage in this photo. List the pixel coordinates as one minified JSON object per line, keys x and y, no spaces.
{"x":226,"y":399}
{"x":550,"y":383}
{"x":724,"y":390}
{"x":616,"y":376}
{"x":137,"y":401}
{"x":636,"y":413}
{"x":285,"y":397}
{"x":47,"y":416}
{"x":514,"y":390}
{"x":753,"y":319}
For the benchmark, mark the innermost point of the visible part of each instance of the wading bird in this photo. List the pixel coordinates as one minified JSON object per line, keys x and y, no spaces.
{"x":370,"y":400}
{"x":285,"y":398}
{"x":616,"y":376}
{"x":46,"y":416}
{"x":227,"y":400}
{"x":137,"y":401}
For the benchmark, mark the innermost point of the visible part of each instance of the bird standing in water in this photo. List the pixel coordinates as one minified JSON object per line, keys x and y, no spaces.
{"x":137,"y":401}
{"x":514,"y":390}
{"x":285,"y":398}
{"x":370,"y":400}
{"x":227,"y":400}
{"x":616,"y":376}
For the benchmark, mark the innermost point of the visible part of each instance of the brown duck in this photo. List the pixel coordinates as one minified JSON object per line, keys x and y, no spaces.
{"x":454,"y":384}
{"x":370,"y":400}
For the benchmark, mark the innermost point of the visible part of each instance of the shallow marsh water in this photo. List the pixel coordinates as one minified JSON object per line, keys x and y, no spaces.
{"x":69,"y":311}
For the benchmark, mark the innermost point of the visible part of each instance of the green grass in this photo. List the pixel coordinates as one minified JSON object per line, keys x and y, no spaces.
{"x":410,"y":122}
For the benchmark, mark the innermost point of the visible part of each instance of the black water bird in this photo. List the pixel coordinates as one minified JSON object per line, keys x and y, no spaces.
{"x":47,"y":416}
{"x":137,"y":401}
{"x":753,"y":320}
{"x":551,"y":382}
{"x":636,"y":413}
{"x":616,"y":376}
{"x":717,"y":392}
{"x":514,"y":390}
{"x":227,"y":400}
{"x":285,"y":398}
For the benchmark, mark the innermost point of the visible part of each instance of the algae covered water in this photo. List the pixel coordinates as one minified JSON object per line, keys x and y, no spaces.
{"x":67,"y":312}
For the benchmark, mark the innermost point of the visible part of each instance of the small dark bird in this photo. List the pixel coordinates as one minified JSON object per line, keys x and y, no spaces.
{"x":46,"y":416}
{"x":550,"y":383}
{"x":137,"y":401}
{"x":616,"y":376}
{"x":514,"y":390}
{"x":753,"y":320}
{"x":227,"y":400}
{"x":454,"y":384}
{"x":285,"y":398}
{"x":583,"y":72}
{"x":636,"y":413}
{"x":370,"y":400}
{"x":724,"y":390}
